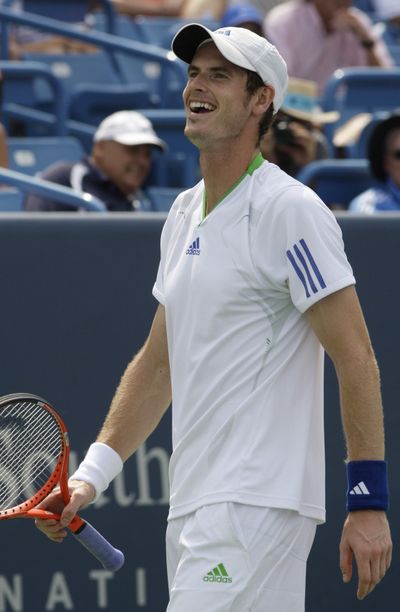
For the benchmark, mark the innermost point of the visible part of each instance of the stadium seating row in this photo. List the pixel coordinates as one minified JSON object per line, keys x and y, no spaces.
{"x":66,"y":96}
{"x":336,"y":181}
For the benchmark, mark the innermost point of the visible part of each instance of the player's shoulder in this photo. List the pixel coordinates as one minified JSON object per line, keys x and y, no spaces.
{"x":280,"y":193}
{"x":185,"y":205}
{"x":187,"y":199}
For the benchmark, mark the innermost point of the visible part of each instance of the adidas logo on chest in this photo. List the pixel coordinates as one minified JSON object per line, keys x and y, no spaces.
{"x":194,"y":248}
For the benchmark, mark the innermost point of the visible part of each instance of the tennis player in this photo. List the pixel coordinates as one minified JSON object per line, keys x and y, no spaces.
{"x":253,"y":285}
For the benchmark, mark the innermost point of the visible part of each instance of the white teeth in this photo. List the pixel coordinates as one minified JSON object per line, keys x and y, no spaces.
{"x":205,"y":105}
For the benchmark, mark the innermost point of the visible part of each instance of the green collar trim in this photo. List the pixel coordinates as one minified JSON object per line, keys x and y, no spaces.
{"x":256,"y":163}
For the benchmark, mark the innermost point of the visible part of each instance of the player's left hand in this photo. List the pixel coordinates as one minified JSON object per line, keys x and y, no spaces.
{"x":366,"y":537}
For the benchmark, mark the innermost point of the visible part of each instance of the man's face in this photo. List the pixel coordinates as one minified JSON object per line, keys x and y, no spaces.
{"x":392,"y":157}
{"x":216,"y":100}
{"x":126,"y":166}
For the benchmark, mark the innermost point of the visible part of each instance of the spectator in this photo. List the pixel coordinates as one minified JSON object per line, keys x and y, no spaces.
{"x":244,"y":16}
{"x":318,"y":36}
{"x":384,"y":160}
{"x":116,"y":169}
{"x":296,"y":137}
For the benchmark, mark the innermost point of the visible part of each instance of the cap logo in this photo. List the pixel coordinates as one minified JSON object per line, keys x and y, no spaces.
{"x":223,"y":32}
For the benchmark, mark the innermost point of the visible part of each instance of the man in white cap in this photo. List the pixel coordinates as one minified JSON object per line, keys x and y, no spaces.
{"x":115,"y":170}
{"x":253,"y":282}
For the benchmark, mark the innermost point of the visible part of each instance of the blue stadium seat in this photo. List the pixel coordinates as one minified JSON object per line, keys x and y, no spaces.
{"x":157,"y":31}
{"x":18,"y":83}
{"x":32,"y":184}
{"x":11,"y":200}
{"x":124,"y":25}
{"x":358,"y":90}
{"x":390,"y":33}
{"x":80,"y":73}
{"x":65,"y":10}
{"x":32,"y":155}
{"x":160,"y":31}
{"x":99,"y":80}
{"x":162,"y":198}
{"x":152,"y":76}
{"x":90,"y":104}
{"x":148,"y":74}
{"x":337,"y":181}
{"x":365,"y":5}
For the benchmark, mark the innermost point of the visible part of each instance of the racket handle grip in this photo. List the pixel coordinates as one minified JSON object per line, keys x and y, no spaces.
{"x":111,"y":558}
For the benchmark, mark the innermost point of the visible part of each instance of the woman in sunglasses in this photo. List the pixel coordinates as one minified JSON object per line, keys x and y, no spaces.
{"x":384,"y":160}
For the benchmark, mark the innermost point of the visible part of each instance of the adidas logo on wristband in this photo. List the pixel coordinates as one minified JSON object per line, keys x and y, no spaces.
{"x":360,"y":489}
{"x":367,"y":485}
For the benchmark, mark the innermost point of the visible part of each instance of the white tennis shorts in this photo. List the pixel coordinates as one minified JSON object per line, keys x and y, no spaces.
{"x":237,"y":558}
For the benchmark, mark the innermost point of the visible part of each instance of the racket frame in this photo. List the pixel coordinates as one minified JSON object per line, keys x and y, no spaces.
{"x":111,"y":558}
{"x":59,"y":475}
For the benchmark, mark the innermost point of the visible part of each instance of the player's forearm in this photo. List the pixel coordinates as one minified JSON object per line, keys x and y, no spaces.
{"x":140,"y":401}
{"x":361,"y":406}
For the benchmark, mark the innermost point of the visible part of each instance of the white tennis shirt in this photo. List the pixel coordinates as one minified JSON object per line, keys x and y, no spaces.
{"x":246,"y":367}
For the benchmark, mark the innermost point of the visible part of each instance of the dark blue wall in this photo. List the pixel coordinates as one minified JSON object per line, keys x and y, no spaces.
{"x":75,"y":306}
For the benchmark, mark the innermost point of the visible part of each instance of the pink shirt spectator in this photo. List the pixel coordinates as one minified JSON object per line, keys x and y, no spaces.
{"x":295,"y":27}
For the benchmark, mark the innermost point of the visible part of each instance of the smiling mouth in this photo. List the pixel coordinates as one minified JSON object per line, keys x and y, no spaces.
{"x":201,"y":107}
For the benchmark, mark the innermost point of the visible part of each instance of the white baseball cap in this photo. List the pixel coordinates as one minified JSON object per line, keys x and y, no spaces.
{"x":128,"y":128}
{"x":241,"y":47}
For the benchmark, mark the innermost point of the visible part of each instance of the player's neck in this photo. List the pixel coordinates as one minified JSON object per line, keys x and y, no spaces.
{"x":221,"y":170}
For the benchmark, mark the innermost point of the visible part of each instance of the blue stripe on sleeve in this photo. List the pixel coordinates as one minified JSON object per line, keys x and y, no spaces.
{"x":305,"y":266}
{"x":298,"y":271}
{"x":313,"y":264}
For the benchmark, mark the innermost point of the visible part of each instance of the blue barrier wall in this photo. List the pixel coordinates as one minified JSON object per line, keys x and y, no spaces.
{"x":76,"y":304}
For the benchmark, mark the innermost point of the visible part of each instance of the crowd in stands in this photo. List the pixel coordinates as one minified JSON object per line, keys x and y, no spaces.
{"x":315,"y":37}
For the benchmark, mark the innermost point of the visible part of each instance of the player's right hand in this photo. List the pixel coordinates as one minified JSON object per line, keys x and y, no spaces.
{"x":82,"y":493}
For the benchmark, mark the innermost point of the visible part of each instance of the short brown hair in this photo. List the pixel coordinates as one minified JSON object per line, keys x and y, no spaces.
{"x":254,"y":82}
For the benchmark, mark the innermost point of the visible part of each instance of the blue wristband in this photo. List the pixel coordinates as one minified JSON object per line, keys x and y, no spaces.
{"x":367,"y":485}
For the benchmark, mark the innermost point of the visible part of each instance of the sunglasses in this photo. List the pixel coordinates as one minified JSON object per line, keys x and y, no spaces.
{"x":395,"y":154}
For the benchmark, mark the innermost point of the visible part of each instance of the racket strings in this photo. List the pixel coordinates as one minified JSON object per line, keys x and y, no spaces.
{"x":24,"y":469}
{"x":34,"y":435}
{"x":34,"y":475}
{"x":30,"y":445}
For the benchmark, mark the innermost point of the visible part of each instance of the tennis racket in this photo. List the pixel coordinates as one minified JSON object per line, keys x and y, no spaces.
{"x":34,"y":452}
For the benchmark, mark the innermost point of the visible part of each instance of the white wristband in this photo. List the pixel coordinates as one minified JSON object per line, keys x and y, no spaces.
{"x":100,"y":466}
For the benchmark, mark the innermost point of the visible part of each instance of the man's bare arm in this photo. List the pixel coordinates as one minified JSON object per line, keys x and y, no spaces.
{"x":142,"y":396}
{"x":140,"y":401}
{"x":339,"y":324}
